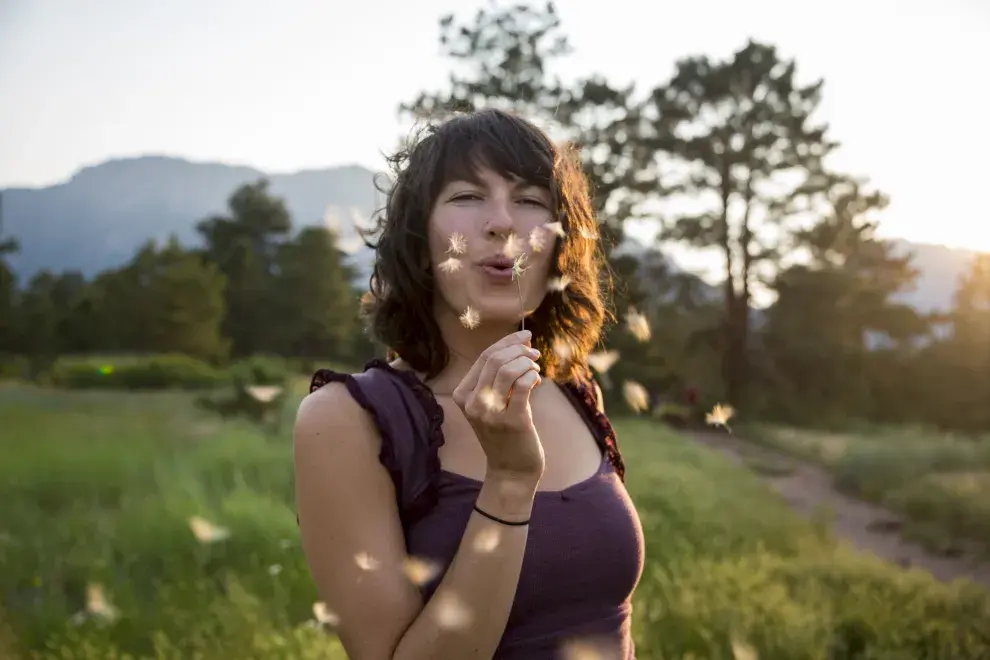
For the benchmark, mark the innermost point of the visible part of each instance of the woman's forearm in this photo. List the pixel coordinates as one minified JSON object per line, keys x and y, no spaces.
{"x":467,"y":614}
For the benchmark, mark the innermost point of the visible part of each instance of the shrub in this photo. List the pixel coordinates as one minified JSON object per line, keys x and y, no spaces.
{"x":145,"y":373}
{"x":260,"y":370}
{"x":14,"y":367}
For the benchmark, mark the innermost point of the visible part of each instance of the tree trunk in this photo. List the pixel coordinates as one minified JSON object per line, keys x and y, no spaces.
{"x":729,"y":324}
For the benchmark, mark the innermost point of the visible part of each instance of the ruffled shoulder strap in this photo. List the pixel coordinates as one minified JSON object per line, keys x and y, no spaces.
{"x":410,"y":423}
{"x":586,"y":391}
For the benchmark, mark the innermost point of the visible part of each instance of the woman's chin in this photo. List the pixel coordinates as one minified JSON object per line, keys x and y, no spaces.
{"x":497,"y":312}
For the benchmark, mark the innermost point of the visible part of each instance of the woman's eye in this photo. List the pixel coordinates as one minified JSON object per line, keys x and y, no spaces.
{"x":536,"y":202}
{"x":466,"y":197}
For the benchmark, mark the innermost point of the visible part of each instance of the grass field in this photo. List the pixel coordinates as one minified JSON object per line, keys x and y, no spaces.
{"x":939,"y":482}
{"x":100,"y":487}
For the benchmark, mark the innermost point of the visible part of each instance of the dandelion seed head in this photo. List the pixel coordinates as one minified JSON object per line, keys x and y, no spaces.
{"x":562,"y":349}
{"x":518,"y":266}
{"x":451,"y":265}
{"x":636,"y":396}
{"x":366,"y":562}
{"x":206,"y":532}
{"x":588,"y":649}
{"x":98,"y":605}
{"x":537,"y":239}
{"x":513,"y":246}
{"x":720,"y":415}
{"x":263,"y":393}
{"x":743,"y":651}
{"x":451,"y":612}
{"x":420,"y":571}
{"x":323,"y":615}
{"x":491,"y":399}
{"x":558,"y":283}
{"x":638,"y":325}
{"x":470,"y":319}
{"x":457,"y":244}
{"x":602,"y":361}
{"x":486,"y":540}
{"x":555,"y":227}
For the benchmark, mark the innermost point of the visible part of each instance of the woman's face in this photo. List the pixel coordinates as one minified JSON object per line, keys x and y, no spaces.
{"x":477,"y":232}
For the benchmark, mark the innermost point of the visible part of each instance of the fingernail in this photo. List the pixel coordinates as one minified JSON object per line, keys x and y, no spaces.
{"x":535,"y":353}
{"x":525,"y":334}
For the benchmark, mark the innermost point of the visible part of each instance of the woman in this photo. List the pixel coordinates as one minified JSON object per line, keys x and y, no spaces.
{"x":466,"y":499}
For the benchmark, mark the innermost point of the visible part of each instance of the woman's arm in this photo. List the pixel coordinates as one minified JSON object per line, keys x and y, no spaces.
{"x":347,"y":509}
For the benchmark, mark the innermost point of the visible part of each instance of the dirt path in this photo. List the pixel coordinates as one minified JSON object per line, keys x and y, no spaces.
{"x":871,"y":528}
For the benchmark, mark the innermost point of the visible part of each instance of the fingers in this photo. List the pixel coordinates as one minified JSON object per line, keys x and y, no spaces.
{"x":521,"y":390}
{"x":498,"y":361}
{"x":509,"y":373}
{"x":470,"y":381}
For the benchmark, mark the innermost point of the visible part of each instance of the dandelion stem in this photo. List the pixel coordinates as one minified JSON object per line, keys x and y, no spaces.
{"x":522,"y":311}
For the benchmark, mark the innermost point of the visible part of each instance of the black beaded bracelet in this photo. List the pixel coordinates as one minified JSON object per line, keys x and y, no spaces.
{"x":511,"y":523}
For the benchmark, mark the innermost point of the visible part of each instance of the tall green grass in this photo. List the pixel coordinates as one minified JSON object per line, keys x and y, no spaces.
{"x":99,"y":487}
{"x":939,"y":481}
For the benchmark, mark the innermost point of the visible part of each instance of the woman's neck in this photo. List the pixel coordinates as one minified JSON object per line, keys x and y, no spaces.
{"x":463,"y":347}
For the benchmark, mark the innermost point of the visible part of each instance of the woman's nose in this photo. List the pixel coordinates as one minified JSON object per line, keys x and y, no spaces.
{"x":499,"y":220}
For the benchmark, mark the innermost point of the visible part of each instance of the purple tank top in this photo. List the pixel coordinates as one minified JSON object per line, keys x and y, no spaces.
{"x":585,"y":551}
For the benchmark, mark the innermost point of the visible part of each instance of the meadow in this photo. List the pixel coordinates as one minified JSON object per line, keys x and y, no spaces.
{"x":99,"y":488}
{"x":938,"y":482}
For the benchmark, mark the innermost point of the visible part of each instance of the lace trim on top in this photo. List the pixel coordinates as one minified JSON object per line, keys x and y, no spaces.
{"x":583,"y":389}
{"x":434,"y":413}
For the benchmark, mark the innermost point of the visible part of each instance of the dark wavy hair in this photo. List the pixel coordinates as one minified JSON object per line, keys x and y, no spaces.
{"x":399,"y":305}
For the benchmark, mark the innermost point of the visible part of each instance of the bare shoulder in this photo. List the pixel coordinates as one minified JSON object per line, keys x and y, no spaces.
{"x":331,"y":412}
{"x":348,"y":519}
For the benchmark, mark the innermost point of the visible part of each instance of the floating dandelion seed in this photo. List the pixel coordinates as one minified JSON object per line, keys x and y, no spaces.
{"x":323,"y":615}
{"x":420,"y":571}
{"x":636,"y":396}
{"x":558,"y":283}
{"x":451,"y":612}
{"x":263,"y":393}
{"x":491,"y":400}
{"x":743,"y":651}
{"x":366,"y":562}
{"x":602,"y":361}
{"x":537,"y":239}
{"x":720,"y":416}
{"x":97,"y":604}
{"x":589,"y":234}
{"x":638,"y":325}
{"x":556,"y":228}
{"x":562,"y":349}
{"x":518,"y":267}
{"x":274,"y":569}
{"x":458,"y":244}
{"x":470,"y":318}
{"x":513,"y":246}
{"x":486,"y":540}
{"x":588,"y":649}
{"x":206,"y":532}
{"x":451,"y":265}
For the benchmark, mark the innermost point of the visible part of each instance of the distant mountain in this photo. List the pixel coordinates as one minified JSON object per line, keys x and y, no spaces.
{"x":99,"y":217}
{"x":940,"y":269}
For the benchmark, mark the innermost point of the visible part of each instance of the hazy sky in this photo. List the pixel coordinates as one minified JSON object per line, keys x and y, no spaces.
{"x":298,"y":84}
